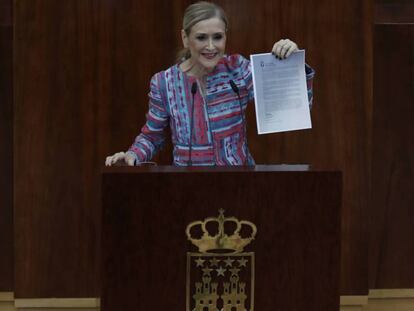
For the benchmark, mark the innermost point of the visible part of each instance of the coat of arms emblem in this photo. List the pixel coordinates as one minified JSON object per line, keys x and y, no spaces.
{"x":220,"y":276}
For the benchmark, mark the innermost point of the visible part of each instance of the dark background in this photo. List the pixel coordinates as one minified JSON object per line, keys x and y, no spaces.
{"x":74,"y":78}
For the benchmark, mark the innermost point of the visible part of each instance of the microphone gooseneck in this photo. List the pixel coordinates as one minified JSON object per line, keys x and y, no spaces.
{"x":235,"y":89}
{"x":193,"y":92}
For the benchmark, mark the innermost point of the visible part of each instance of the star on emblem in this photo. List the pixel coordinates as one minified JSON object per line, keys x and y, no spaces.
{"x":234,"y":271}
{"x":229,"y":262}
{"x":220,"y":271}
{"x":242,"y":262}
{"x":200,"y":262}
{"x":206,"y":271}
{"x":214,"y":262}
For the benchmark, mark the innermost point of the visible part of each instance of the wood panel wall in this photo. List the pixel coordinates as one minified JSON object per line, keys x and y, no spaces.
{"x":6,"y":146}
{"x":392,"y":215}
{"x":82,"y":71}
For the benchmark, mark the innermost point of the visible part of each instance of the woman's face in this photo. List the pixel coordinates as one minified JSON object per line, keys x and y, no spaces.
{"x":206,"y":42}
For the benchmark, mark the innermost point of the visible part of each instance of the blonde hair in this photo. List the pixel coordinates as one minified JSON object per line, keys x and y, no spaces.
{"x":195,"y":13}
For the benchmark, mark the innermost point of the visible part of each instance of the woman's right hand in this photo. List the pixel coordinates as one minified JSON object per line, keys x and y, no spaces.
{"x":120,"y":158}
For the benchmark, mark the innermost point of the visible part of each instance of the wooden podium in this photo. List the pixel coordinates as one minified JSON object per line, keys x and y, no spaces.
{"x":144,"y":245}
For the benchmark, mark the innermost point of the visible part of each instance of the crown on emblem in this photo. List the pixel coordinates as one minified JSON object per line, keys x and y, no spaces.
{"x":233,"y":243}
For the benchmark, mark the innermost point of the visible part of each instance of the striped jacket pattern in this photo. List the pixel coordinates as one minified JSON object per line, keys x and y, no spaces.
{"x":218,"y":137}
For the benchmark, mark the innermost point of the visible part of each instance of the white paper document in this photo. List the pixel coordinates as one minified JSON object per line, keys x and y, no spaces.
{"x":280,"y":93}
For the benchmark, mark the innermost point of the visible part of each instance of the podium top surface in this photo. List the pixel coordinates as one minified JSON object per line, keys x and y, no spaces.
{"x":200,"y":169}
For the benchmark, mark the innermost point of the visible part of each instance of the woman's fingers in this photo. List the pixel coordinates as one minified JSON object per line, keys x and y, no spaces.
{"x":277,"y":47}
{"x":284,"y":48}
{"x":120,"y":156}
{"x":114,"y":159}
{"x":108,"y":161}
{"x":291,"y":48}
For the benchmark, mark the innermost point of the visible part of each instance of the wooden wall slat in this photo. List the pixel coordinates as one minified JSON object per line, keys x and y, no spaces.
{"x":394,"y":13}
{"x":6,"y":146}
{"x":82,"y":75}
{"x":392,"y":213}
{"x":57,"y":212}
{"x":6,"y":13}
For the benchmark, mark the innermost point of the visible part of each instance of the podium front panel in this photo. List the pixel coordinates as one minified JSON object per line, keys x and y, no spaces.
{"x":296,"y":249}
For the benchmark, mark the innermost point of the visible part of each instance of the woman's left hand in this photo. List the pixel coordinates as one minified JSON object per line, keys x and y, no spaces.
{"x":284,"y":48}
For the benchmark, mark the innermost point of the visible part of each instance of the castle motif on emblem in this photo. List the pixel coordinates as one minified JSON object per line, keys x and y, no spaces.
{"x":220,"y":276}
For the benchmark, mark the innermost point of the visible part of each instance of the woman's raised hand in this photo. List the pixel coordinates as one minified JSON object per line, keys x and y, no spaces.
{"x":284,"y":48}
{"x":120,"y":158}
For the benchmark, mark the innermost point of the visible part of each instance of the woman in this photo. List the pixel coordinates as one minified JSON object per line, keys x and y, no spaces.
{"x":196,"y":98}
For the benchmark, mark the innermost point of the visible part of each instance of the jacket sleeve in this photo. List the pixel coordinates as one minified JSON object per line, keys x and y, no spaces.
{"x":152,"y":136}
{"x":246,"y":74}
{"x":310,"y":73}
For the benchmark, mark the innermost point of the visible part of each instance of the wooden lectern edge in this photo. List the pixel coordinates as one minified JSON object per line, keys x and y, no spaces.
{"x":177,"y":169}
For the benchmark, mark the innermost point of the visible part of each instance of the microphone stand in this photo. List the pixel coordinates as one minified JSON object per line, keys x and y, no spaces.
{"x":193,"y":92}
{"x":235,"y":89}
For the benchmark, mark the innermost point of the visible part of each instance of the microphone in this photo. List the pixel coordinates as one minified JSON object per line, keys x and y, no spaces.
{"x":235,"y":89}
{"x":194,"y":88}
{"x":193,"y":92}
